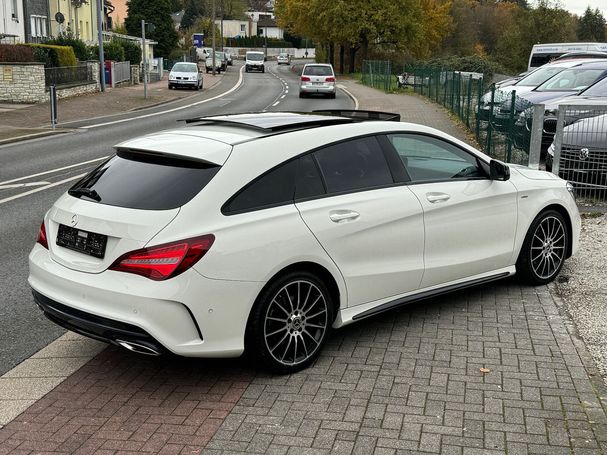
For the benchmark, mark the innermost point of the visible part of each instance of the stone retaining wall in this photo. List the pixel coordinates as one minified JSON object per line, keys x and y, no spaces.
{"x":22,"y":83}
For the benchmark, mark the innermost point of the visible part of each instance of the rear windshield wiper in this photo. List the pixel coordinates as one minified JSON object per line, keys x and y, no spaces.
{"x":86,"y":192}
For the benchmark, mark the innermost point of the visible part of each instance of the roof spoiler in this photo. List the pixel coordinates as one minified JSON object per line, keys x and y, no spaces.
{"x":360,"y":114}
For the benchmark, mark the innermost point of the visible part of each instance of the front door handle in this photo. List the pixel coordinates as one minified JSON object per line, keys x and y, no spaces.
{"x":437,"y":197}
{"x":338,"y":216}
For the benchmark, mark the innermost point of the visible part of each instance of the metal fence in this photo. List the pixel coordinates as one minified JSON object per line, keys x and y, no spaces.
{"x":122,"y":72}
{"x":578,"y":152}
{"x":377,"y":74}
{"x":69,"y":75}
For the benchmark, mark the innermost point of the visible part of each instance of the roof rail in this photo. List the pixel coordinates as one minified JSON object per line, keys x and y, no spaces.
{"x":358,"y":114}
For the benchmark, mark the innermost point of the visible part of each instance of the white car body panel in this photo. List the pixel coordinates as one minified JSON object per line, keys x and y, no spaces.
{"x":470,"y":232}
{"x":380,"y":252}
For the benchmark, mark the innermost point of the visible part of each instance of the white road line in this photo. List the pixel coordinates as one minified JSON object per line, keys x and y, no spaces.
{"x":282,"y":96}
{"x":180,"y":108}
{"x":21,"y":185}
{"x":27,"y":193}
{"x":341,"y":87}
{"x":276,"y":103}
{"x":53,"y":170}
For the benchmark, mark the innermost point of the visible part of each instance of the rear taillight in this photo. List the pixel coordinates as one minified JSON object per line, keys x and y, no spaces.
{"x":164,"y":261}
{"x":330,"y":79}
{"x":42,"y":236}
{"x":305,"y":79}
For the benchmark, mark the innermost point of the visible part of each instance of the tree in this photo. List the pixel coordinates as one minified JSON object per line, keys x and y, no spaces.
{"x":194,"y":9}
{"x":591,"y":26}
{"x":157,"y":12}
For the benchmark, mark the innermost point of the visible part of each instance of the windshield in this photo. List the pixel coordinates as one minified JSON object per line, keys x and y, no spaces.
{"x":184,"y":68}
{"x":598,"y":89}
{"x":540,"y":75}
{"x":255,"y":57}
{"x":318,"y":70}
{"x":571,"y":79}
{"x":219,"y":55}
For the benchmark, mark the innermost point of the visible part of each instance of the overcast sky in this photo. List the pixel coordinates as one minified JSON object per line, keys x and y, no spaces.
{"x":579,"y":6}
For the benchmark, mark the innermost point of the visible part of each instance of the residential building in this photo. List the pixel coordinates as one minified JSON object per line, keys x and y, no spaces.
{"x":11,"y":21}
{"x":36,"y":15}
{"x":120,"y":12}
{"x":236,"y":28}
{"x":266,"y":26}
{"x":79,"y":17}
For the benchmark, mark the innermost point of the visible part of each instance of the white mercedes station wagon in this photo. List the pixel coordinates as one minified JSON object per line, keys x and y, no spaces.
{"x":263,"y":232}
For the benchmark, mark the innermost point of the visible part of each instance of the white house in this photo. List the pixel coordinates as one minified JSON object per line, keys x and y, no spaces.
{"x":236,"y":28}
{"x":12,"y":22}
{"x":266,"y":26}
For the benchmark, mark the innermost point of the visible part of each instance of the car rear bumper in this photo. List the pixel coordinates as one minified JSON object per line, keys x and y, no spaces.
{"x":188,"y":315}
{"x":317,"y":88}
{"x":183,"y":83}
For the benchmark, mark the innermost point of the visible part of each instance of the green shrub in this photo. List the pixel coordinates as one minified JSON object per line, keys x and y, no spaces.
{"x":113,"y":51}
{"x":472,"y":63}
{"x":132,"y":52}
{"x":53,"y":56}
{"x":16,"y":53}
{"x":68,"y":39}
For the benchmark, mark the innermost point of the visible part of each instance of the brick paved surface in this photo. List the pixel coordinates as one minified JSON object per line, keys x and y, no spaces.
{"x":408,"y":381}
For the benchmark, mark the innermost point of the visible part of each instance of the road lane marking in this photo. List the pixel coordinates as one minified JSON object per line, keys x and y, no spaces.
{"x":282,"y":97}
{"x":42,"y":188}
{"x":276,"y":103}
{"x":21,"y":185}
{"x":53,"y":170}
{"x":180,"y":108}
{"x":341,"y":87}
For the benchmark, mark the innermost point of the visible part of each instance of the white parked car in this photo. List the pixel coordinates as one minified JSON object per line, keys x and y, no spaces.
{"x":317,"y":78}
{"x":216,"y":237}
{"x":185,"y":74}
{"x":283,"y":59}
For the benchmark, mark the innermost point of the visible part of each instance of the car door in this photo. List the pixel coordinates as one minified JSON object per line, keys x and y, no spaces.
{"x":370,"y":227}
{"x":470,"y":220}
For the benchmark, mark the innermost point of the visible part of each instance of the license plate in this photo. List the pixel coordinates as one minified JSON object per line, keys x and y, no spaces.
{"x":318,"y":83}
{"x":82,"y":241}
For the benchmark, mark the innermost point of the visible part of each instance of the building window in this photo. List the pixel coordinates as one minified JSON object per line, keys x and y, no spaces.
{"x":243,"y":28}
{"x":38,"y":26}
{"x":15,"y":14}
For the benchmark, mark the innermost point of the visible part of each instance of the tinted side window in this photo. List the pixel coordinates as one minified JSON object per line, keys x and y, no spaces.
{"x":428,"y":158}
{"x":354,"y":165}
{"x":274,"y":188}
{"x":309,"y":182}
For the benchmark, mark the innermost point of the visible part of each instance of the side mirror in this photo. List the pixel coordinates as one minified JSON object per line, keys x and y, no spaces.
{"x":498,"y":171}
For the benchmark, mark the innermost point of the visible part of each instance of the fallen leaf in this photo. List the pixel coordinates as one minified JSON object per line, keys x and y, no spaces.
{"x":485,"y":370}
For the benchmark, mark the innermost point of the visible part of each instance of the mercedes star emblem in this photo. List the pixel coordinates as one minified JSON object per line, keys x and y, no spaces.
{"x":584,"y":153}
{"x":74,"y":221}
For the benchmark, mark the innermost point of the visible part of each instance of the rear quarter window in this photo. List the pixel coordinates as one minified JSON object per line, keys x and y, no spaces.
{"x":145,"y":181}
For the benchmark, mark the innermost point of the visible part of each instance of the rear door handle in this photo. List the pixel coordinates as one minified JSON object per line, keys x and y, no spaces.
{"x":437,"y":197}
{"x":343,"y":215}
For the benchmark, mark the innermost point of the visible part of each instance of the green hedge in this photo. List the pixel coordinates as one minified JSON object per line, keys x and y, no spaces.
{"x":257,"y":41}
{"x":15,"y":53}
{"x":54,"y":56}
{"x":472,"y":63}
{"x":81,"y":50}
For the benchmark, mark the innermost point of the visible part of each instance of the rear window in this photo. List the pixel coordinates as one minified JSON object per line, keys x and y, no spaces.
{"x":317,"y":70}
{"x":144,"y":181}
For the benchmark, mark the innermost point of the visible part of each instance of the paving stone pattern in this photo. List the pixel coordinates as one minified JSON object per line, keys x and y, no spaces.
{"x":408,"y":381}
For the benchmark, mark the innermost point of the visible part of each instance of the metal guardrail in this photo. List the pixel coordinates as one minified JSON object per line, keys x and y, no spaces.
{"x":67,"y":75}
{"x":580,"y":149}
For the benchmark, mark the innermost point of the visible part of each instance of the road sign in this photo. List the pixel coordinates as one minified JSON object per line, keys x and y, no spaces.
{"x":198,"y":39}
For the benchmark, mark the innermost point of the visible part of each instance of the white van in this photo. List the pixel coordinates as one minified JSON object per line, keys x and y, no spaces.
{"x":254,"y":60}
{"x":545,"y":53}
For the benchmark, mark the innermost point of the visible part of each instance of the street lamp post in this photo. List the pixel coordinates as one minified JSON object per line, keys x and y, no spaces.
{"x":213,"y":34}
{"x":143,"y":53}
{"x":100,"y":37}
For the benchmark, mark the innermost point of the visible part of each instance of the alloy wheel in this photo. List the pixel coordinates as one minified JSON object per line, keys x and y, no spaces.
{"x":296,"y":322}
{"x":548,"y":247}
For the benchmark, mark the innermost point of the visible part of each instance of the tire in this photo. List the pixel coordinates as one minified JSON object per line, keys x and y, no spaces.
{"x":544,"y":249}
{"x":263,"y":70}
{"x":302,"y":95}
{"x":290,"y":322}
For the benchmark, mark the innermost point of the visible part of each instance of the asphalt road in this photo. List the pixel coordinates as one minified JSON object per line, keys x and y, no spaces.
{"x":50,"y":165}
